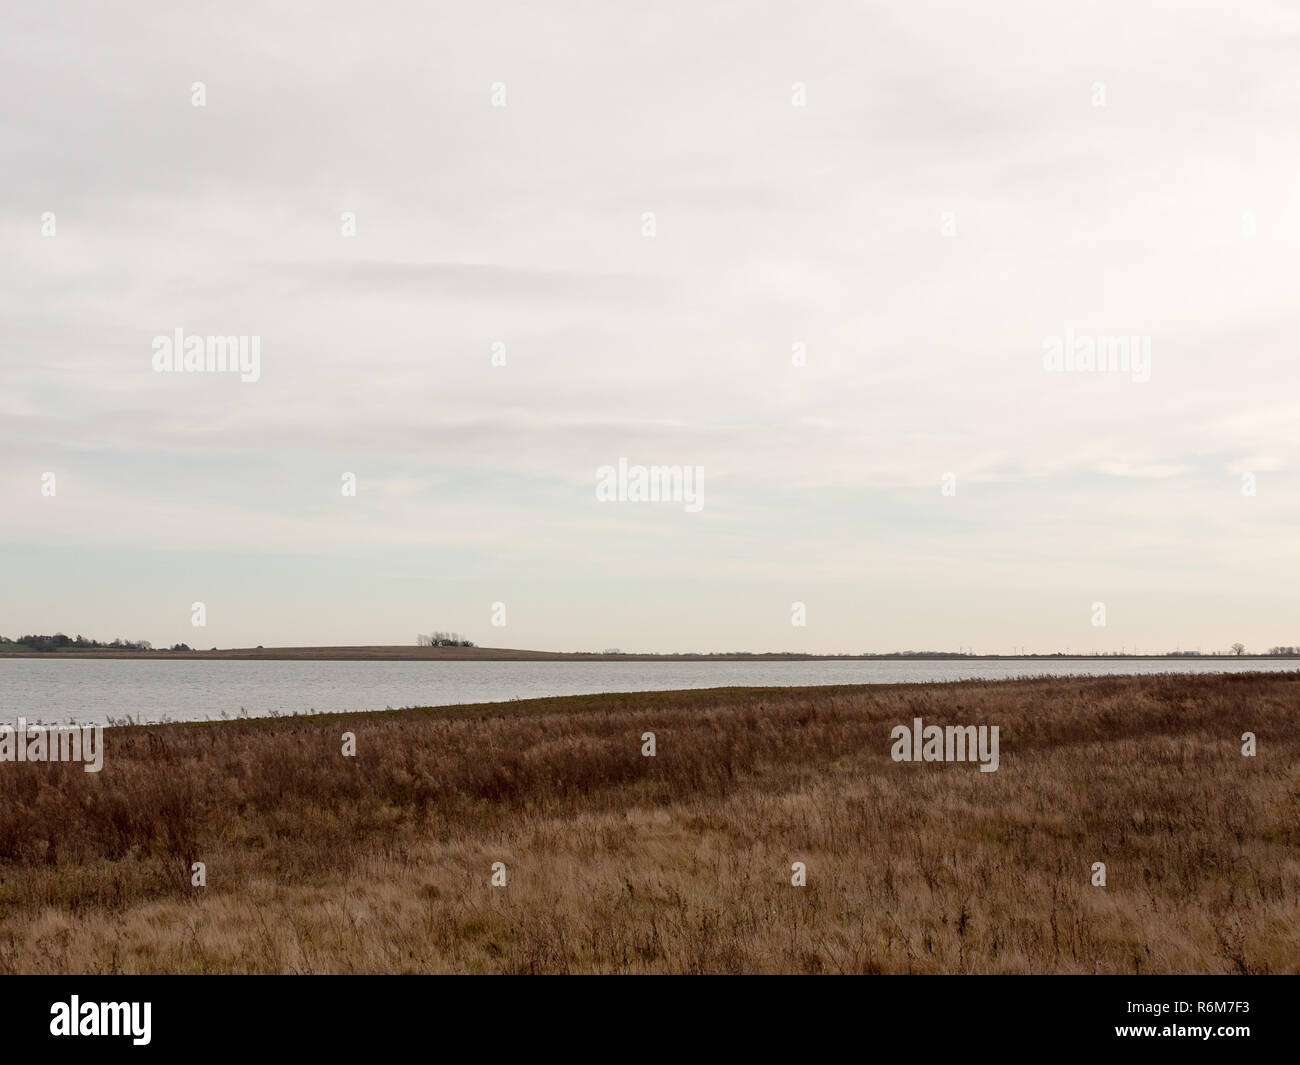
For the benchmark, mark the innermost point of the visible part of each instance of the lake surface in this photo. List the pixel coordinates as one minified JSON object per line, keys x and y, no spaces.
{"x":97,"y":690}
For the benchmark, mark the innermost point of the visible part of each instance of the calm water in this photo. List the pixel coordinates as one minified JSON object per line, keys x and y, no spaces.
{"x":93,"y":690}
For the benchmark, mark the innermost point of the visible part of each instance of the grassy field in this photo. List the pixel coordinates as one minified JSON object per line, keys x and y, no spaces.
{"x":680,"y":863}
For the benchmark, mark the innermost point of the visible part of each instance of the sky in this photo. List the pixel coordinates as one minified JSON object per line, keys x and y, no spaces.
{"x":817,"y":251}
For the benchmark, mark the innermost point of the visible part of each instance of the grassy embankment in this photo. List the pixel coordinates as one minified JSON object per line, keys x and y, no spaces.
{"x":681,"y":862}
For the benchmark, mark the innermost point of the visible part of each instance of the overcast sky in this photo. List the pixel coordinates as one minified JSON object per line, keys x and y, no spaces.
{"x":958,"y":187}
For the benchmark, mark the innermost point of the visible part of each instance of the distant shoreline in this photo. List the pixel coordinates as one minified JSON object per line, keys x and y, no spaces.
{"x":400,"y":653}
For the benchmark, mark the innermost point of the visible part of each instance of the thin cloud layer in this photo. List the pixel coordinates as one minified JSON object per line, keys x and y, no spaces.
{"x":650,"y":251}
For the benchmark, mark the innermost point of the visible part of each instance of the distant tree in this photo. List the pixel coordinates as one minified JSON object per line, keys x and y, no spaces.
{"x":442,"y":639}
{"x":1238,"y":648}
{"x":60,"y":640}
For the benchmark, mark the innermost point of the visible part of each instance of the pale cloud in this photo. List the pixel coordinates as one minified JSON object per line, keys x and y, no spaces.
{"x":1169,"y":213}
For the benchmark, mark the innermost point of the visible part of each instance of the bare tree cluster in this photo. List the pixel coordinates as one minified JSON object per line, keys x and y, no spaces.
{"x":442,"y":639}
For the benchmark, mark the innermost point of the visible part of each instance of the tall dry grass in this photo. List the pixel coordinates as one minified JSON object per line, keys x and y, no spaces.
{"x":681,"y":862}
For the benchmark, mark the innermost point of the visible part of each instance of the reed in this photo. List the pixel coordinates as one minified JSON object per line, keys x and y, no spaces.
{"x":681,"y":862}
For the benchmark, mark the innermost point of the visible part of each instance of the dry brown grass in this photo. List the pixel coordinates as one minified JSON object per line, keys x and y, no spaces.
{"x":678,"y":863}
